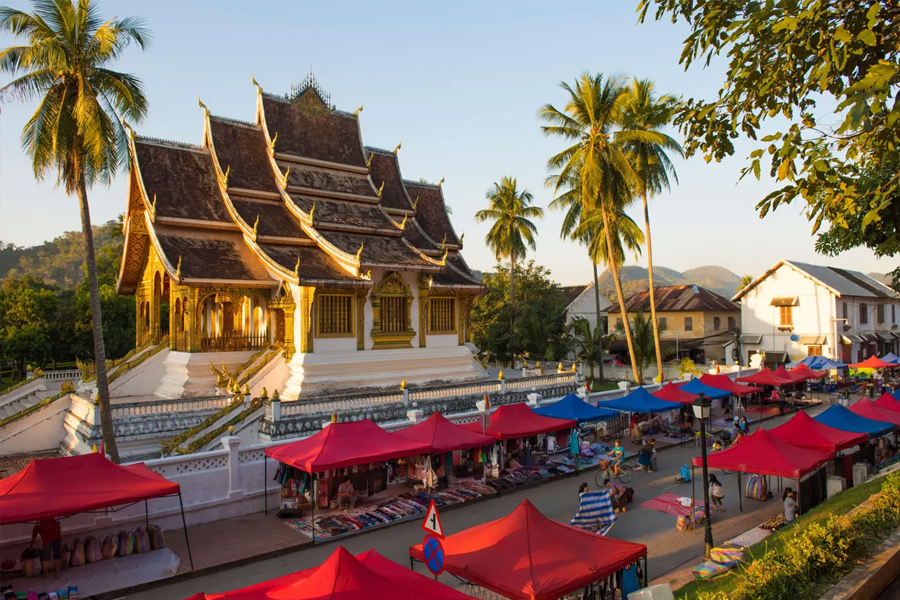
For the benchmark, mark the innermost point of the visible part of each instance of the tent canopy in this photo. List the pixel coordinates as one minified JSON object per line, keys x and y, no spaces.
{"x":840,"y":418}
{"x":346,"y":577}
{"x":345,"y":445}
{"x":640,"y":401}
{"x":790,"y":377}
{"x":868,"y":409}
{"x":517,"y":420}
{"x":888,"y":401}
{"x":807,"y":372}
{"x":526,"y":556}
{"x":764,"y":377}
{"x":673,"y":393}
{"x":697,"y":387}
{"x":891,"y":358}
{"x":724,"y":382}
{"x":873,"y":362}
{"x":802,"y":430}
{"x":59,"y":487}
{"x":763,"y":453}
{"x":818,"y":363}
{"x":575,"y":409}
{"x":442,"y":435}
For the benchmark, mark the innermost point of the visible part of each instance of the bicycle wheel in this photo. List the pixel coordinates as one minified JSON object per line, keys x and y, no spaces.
{"x":601,"y":477}
{"x":625,"y":473}
{"x":727,"y":472}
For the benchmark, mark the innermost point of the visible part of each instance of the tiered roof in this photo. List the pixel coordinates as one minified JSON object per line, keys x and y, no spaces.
{"x":294,"y":196}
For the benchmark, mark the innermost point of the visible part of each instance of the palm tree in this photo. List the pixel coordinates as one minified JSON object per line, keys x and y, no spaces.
{"x":77,"y":129}
{"x":745,"y":281}
{"x":588,"y":343}
{"x":512,"y":232}
{"x":645,"y":346}
{"x":596,"y":158}
{"x":644,"y":114}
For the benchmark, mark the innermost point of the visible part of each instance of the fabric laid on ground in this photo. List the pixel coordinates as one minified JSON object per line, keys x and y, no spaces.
{"x":724,"y":382}
{"x":443,"y":436}
{"x":673,"y":393}
{"x":671,"y":505}
{"x":764,"y":377}
{"x":640,"y":401}
{"x":346,"y":577}
{"x":868,"y":409}
{"x":697,"y":387}
{"x":763,"y":453}
{"x":345,"y":445}
{"x":873,"y":362}
{"x":59,"y":487}
{"x":517,"y":420}
{"x":574,"y":408}
{"x":841,"y":418}
{"x":595,"y":511}
{"x":526,"y":556}
{"x":802,"y":430}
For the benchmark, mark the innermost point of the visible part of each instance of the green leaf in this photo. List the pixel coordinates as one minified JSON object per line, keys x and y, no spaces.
{"x":789,"y":23}
{"x":784,"y":169}
{"x":872,"y":14}
{"x":867,"y":36}
{"x":842,"y":35}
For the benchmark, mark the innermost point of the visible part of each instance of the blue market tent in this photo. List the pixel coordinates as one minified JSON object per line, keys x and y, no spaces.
{"x":841,"y":418}
{"x":640,"y":401}
{"x":697,"y":387}
{"x":891,"y":357}
{"x":575,"y":409}
{"x":818,"y":363}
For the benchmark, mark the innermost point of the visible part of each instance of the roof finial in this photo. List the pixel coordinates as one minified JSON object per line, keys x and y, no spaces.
{"x":359,"y":252}
{"x":272,"y":143}
{"x":284,"y":181}
{"x":444,"y":242}
{"x":225,"y":177}
{"x":397,"y":149}
{"x":403,"y":223}
{"x":203,"y":106}
{"x":255,"y":227}
{"x":312,"y":209}
{"x":415,"y":203}
{"x":297,"y":268}
{"x":461,"y":237}
{"x":258,"y":87}
{"x":128,"y":128}
{"x":444,"y":257}
{"x":441,"y":183}
{"x":153,"y":207}
{"x":369,"y":161}
{"x":359,"y":110}
{"x":178,"y":270}
{"x":381,"y":189}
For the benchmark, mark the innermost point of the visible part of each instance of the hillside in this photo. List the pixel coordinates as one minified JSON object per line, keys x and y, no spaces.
{"x":634,"y":279}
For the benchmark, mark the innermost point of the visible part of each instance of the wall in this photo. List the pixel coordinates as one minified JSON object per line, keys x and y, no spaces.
{"x":142,"y":380}
{"x":585,"y":307}
{"x":37,"y":432}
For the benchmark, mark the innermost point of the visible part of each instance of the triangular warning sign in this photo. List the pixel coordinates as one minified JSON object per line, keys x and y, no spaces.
{"x":432,"y":522}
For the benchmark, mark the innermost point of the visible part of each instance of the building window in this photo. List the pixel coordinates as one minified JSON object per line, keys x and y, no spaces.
{"x":442,"y":317}
{"x":394,"y":314}
{"x":619,"y":324}
{"x":787,"y":316}
{"x":689,"y":323}
{"x":863,"y":314}
{"x":814,"y":350}
{"x":732,"y":323}
{"x":717,"y":323}
{"x":334,"y":316}
{"x":662,"y":323}
{"x":846,"y":311}
{"x":879,"y":313}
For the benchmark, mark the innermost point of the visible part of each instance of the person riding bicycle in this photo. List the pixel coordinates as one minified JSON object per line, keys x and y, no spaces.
{"x":616,"y":455}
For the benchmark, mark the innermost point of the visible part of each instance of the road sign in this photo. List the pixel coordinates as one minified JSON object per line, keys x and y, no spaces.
{"x":432,"y":521}
{"x":433,"y":552}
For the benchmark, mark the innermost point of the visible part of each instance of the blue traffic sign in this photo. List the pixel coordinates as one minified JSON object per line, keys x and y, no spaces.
{"x":434,"y":554}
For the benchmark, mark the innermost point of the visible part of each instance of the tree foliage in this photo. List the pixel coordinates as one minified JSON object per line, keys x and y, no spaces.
{"x":644,"y":342}
{"x":587,"y":343}
{"x":823,"y":76}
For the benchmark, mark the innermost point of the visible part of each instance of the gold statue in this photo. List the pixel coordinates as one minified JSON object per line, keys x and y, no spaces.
{"x":275,"y":396}
{"x":403,"y":384}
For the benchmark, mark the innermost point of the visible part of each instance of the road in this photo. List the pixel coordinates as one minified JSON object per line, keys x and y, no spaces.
{"x":668,"y":548}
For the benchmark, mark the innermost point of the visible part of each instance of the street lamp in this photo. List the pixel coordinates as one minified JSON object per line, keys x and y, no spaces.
{"x":701,"y":406}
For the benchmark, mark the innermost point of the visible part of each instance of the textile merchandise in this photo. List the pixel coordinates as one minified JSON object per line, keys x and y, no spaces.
{"x":755,"y":487}
{"x":774,"y":523}
{"x":70,"y":593}
{"x":727,"y":556}
{"x":595,"y":511}
{"x":709,"y":569}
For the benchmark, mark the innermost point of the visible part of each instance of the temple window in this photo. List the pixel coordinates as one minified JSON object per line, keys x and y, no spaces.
{"x":391,"y":313}
{"x":334,"y":315}
{"x":394,"y":314}
{"x":442,"y":315}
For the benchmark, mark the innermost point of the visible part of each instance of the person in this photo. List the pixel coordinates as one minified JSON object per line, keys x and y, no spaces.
{"x":645,"y":455}
{"x":716,"y":493}
{"x":51,"y":544}
{"x":346,"y":494}
{"x":775,"y":397}
{"x":744,"y":426}
{"x":790,"y":505}
{"x":781,"y":403}
{"x":618,"y":494}
{"x":616,"y":455}
{"x":726,"y":405}
{"x":717,"y":445}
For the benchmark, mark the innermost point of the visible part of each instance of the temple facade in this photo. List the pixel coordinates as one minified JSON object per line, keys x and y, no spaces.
{"x":287,"y":232}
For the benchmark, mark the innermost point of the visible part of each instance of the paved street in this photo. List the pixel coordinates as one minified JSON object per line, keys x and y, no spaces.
{"x":669,"y":548}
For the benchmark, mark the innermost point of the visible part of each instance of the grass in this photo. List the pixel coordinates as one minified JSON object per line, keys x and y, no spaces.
{"x":603,"y":386}
{"x":838,"y":505}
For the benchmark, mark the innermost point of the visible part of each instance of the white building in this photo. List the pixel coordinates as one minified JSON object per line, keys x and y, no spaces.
{"x":583,"y":305}
{"x":794,"y":310}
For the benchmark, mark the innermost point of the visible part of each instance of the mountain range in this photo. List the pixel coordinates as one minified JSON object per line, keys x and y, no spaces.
{"x":634,"y":279}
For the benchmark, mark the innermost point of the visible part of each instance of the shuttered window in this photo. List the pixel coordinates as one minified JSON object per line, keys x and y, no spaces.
{"x":335,"y":315}
{"x":443,"y":315}
{"x":394,"y":314}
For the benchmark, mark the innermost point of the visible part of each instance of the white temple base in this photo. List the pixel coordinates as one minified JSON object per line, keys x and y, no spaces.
{"x":187,"y":374}
{"x":316,"y":373}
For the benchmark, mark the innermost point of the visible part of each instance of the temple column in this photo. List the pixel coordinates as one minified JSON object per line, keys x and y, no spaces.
{"x":288,"y":332}
{"x":305,"y":319}
{"x":361,"y":296}
{"x":423,"y":312}
{"x":462,"y":302}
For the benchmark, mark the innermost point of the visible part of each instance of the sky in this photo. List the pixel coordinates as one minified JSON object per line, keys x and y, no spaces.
{"x":460,"y":84}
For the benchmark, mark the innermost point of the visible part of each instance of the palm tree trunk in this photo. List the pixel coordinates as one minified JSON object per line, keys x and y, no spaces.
{"x":106,"y":420}
{"x":614,"y":268}
{"x":659,"y":364}
{"x":597,"y":304}
{"x":512,"y":309}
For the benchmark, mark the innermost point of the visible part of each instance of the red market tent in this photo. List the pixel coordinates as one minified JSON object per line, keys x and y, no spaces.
{"x":791,"y":377}
{"x":51,"y":488}
{"x":724,"y":382}
{"x":868,"y":409}
{"x":764,"y":377}
{"x":804,"y":431}
{"x":763,"y":453}
{"x":443,"y":436}
{"x":345,"y":445}
{"x":807,"y":372}
{"x":518,"y":421}
{"x":887,"y":400}
{"x":673,"y":393}
{"x":526,"y":556}
{"x":346,"y":577}
{"x":873,"y":362}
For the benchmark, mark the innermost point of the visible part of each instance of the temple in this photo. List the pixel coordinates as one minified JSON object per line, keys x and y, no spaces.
{"x":288,"y":233}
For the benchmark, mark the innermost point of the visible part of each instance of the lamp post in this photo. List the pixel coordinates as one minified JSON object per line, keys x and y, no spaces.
{"x":701,"y":406}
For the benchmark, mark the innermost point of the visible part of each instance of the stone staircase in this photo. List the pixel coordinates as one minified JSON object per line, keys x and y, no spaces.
{"x":19,"y":404}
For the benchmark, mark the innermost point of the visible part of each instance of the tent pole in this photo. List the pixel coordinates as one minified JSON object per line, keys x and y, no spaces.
{"x":146,"y":514}
{"x":187,"y":541}
{"x":315,"y":491}
{"x":740,"y":492}
{"x":799,"y":496}
{"x":266,"y":483}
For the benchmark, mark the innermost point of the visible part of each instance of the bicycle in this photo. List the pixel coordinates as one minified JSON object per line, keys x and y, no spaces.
{"x":626,"y":472}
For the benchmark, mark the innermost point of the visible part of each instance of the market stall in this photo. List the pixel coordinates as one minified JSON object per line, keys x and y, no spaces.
{"x":526,"y":556}
{"x":346,"y":577}
{"x":803,"y":430}
{"x":764,"y":377}
{"x":873,"y":362}
{"x":762,"y":453}
{"x":888,"y":401}
{"x":891,"y":358}
{"x":842,"y":418}
{"x":673,"y":393}
{"x":640,"y":401}
{"x":56,"y":488}
{"x":868,"y":409}
{"x":724,"y":382}
{"x":574,"y":408}
{"x":312,"y":470}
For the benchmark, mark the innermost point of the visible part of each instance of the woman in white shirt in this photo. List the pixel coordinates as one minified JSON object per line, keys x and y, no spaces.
{"x":716,"y":494}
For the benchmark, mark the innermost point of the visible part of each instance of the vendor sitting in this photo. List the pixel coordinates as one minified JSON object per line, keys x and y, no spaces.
{"x":346,"y":494}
